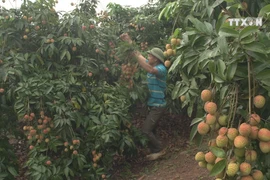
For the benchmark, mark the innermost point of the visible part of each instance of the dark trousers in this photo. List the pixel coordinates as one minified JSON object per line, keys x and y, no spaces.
{"x":149,"y":128}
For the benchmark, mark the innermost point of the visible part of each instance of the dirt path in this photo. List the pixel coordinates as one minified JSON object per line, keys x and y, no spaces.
{"x":177,"y":164}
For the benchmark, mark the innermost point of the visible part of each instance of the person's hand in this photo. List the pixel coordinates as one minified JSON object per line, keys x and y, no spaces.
{"x":126,"y":37}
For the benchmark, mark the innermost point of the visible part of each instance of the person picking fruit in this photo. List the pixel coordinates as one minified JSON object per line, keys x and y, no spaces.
{"x":156,"y":81}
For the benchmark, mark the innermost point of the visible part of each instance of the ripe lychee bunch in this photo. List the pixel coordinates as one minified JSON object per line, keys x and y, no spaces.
{"x":128,"y":71}
{"x":38,"y":127}
{"x":259,"y":101}
{"x":171,"y":47}
{"x":144,"y":46}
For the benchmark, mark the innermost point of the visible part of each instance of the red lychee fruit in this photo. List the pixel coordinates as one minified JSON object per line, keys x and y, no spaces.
{"x":206,"y":95}
{"x":210,"y":157}
{"x":244,"y":129}
{"x":254,"y":132}
{"x":232,"y":169}
{"x":232,"y":133}
{"x":203,"y":128}
{"x":210,"y":119}
{"x":199,"y":156}
{"x":245,"y":168}
{"x":251,"y":155}
{"x":222,"y":141}
{"x":48,"y":162}
{"x":211,"y":108}
{"x":264,"y":146}
{"x":259,"y":101}
{"x":223,"y":131}
{"x":264,"y":134}
{"x":257,"y":175}
{"x":254,"y":119}
{"x":223,"y":120}
{"x":248,"y":177}
{"x":240,"y":141}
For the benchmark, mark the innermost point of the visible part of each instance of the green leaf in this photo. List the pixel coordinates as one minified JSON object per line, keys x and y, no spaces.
{"x":63,"y":54}
{"x":248,"y":39}
{"x":218,"y":79}
{"x":258,"y":56}
{"x":218,"y":167}
{"x":216,"y":3}
{"x":190,"y":109}
{"x":212,"y":66}
{"x":264,"y":10}
{"x":221,"y":68}
{"x":183,"y":91}
{"x":161,"y":13}
{"x":66,"y":171}
{"x":209,"y":53}
{"x":221,"y":21}
{"x":218,"y":152}
{"x":68,"y":55}
{"x":247,"y":31}
{"x":176,"y":89}
{"x":255,"y":47}
{"x":193,"y":132}
{"x":228,"y":32}
{"x":175,"y":63}
{"x":195,"y":121}
{"x":61,"y":96}
{"x":49,"y":90}
{"x":223,"y":44}
{"x":223,"y":92}
{"x":200,"y":26}
{"x":263,"y":74}
{"x":231,"y":71}
{"x":12,"y":171}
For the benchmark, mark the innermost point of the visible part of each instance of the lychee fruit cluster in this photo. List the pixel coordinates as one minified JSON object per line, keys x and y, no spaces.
{"x":128,"y":72}
{"x":171,"y":50}
{"x":240,"y":156}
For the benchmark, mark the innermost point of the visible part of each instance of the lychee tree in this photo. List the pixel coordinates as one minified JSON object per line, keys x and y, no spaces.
{"x":60,"y":75}
{"x":223,"y":70}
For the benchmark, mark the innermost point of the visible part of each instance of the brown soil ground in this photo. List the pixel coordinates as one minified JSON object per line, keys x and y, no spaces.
{"x":177,"y":164}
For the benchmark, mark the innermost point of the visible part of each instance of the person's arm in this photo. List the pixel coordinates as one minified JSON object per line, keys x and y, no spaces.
{"x":140,"y":58}
{"x":142,"y":61}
